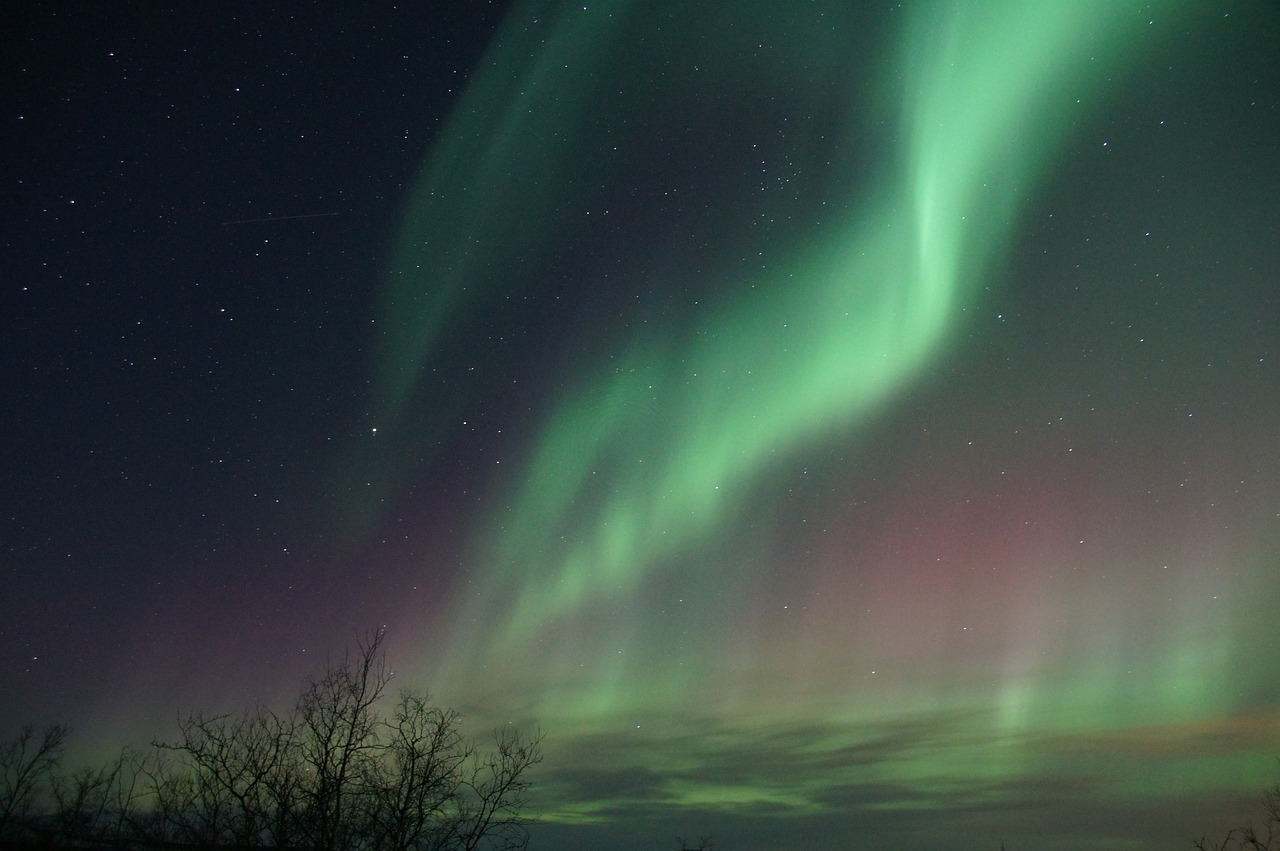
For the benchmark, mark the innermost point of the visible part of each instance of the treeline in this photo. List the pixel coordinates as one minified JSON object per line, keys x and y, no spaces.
{"x":337,"y":772}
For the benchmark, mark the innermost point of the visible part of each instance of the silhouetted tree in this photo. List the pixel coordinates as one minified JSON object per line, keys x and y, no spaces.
{"x":244,"y":770}
{"x":704,"y":844}
{"x":190,"y":807}
{"x":492,"y":794}
{"x":337,"y":775}
{"x":333,"y":774}
{"x":434,"y":789}
{"x":1249,"y":838}
{"x":417,"y":780}
{"x":338,"y":741}
{"x":98,"y":804}
{"x":26,"y":763}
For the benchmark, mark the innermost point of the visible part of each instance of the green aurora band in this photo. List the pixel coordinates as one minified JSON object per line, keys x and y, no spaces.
{"x":643,"y":474}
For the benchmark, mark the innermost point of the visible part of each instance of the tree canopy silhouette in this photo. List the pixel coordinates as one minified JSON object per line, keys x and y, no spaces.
{"x":348,"y":767}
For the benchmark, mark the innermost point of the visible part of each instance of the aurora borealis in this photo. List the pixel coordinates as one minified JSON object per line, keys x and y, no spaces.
{"x":839,"y":424}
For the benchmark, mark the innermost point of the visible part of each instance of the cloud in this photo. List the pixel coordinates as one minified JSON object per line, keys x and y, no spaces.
{"x":943,"y":779}
{"x":1257,"y":732}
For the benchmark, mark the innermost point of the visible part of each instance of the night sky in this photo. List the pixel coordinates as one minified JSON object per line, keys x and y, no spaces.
{"x":848,"y":423}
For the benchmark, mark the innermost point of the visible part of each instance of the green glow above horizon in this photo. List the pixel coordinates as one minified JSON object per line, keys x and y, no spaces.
{"x":609,"y":577}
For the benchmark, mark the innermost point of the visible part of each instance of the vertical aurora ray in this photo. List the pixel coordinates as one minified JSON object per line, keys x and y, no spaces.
{"x":614,"y":570}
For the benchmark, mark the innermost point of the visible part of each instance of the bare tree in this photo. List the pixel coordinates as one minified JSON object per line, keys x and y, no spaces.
{"x":434,"y":789}
{"x":237,"y":762}
{"x":26,"y":762}
{"x":416,"y":781}
{"x":189,"y":806}
{"x":283,"y":787}
{"x":98,"y":804}
{"x":705,"y":844}
{"x":338,"y":741}
{"x":492,"y":794}
{"x":334,"y":774}
{"x":1249,"y":838}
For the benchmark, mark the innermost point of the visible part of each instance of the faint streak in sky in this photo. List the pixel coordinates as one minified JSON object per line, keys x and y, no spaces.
{"x":279,"y":218}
